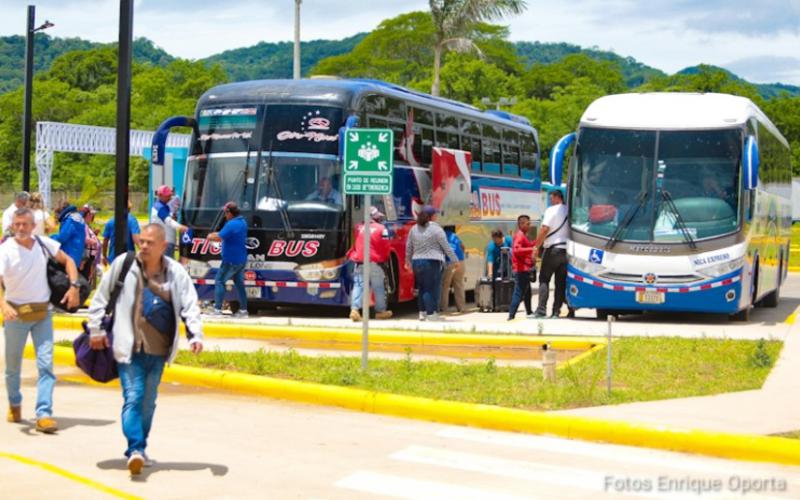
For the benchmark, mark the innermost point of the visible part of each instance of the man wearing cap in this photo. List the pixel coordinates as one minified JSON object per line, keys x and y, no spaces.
{"x":378,"y":256}
{"x":234,"y":258}
{"x":162,"y":215}
{"x":20,"y":201}
{"x":426,"y":248}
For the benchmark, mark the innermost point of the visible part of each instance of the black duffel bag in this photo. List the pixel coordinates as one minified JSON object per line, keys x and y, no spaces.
{"x":59,"y":282}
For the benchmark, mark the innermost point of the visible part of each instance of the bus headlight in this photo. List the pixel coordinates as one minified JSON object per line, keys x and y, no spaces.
{"x":328,"y":270}
{"x":585,"y":266}
{"x":723,"y":268}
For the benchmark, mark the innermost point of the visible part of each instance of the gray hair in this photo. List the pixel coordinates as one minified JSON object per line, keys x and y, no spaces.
{"x":23,"y":196}
{"x":160,"y":233}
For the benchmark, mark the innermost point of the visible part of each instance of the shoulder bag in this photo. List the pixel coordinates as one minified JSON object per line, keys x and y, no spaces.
{"x":100,"y":365}
{"x":59,"y":283}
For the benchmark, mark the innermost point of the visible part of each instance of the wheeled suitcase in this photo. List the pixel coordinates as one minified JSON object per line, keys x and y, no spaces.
{"x":502,"y":290}
{"x":483,"y":295}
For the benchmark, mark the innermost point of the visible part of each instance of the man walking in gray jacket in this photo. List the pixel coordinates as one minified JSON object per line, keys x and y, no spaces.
{"x":155,"y":287}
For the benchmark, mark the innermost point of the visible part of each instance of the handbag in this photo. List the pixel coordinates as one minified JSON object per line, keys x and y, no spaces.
{"x":158,"y":312}
{"x":532,"y":275}
{"x":100,"y":364}
{"x":59,"y":282}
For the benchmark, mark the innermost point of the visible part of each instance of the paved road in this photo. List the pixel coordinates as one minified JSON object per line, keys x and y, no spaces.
{"x":764,"y":322}
{"x":211,"y":445}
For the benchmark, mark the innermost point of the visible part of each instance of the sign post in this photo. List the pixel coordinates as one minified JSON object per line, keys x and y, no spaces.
{"x":368,"y":164}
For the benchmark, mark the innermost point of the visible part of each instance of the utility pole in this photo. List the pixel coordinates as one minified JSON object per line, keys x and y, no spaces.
{"x":297,"y":39}
{"x":26,"y":111}
{"x":123,"y":126}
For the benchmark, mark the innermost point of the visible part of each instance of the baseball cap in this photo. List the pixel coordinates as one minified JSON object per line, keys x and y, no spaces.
{"x":88,"y":209}
{"x":375,"y":214}
{"x":164,"y":190}
{"x":430,"y":210}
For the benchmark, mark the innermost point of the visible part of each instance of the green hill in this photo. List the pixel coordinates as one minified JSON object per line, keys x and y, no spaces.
{"x":274,"y":60}
{"x":766,"y":90}
{"x":634,"y":72}
{"x":47,"y":48}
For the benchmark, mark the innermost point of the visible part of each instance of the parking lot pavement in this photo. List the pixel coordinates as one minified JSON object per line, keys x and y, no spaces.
{"x":764,"y":322}
{"x":213,"y":445}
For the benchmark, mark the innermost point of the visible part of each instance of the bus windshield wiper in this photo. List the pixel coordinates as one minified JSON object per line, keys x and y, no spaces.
{"x":274,"y":186}
{"x":626,"y":221}
{"x":240,"y":189}
{"x":681,"y":223}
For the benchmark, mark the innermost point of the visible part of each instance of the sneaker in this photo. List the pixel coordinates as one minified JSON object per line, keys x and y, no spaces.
{"x":538,"y":315}
{"x":48,"y":425}
{"x":383,"y":315}
{"x":216,"y":313}
{"x":148,"y":462}
{"x":434,"y":317}
{"x":531,"y":316}
{"x":135,"y":463}
{"x":422,"y":316}
{"x":14,"y":414}
{"x":355,"y":315}
{"x":241,"y":314}
{"x":555,"y":316}
{"x":571,"y":313}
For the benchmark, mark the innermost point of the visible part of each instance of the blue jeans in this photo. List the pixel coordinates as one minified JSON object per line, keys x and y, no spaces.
{"x":230,"y":271}
{"x":522,"y":293}
{"x":16,"y":334}
{"x":376,"y":284}
{"x":428,"y":278}
{"x":139,"y":380}
{"x":170,"y":250}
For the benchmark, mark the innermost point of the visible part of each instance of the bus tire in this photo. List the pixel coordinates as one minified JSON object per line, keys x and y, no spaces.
{"x":391,"y":282}
{"x":772,"y":298}
{"x":743,"y":315}
{"x":603,"y":314}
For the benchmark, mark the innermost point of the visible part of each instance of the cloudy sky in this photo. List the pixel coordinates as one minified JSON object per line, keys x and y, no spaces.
{"x":757,"y":39}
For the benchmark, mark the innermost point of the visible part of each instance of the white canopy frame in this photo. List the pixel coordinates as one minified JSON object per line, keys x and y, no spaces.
{"x":87,"y":139}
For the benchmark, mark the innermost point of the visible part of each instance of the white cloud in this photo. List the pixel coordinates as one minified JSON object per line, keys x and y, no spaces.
{"x":667,"y":34}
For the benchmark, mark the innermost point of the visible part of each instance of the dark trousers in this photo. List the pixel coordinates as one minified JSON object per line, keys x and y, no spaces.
{"x":522,"y":293}
{"x":428,"y":278}
{"x":554,"y":261}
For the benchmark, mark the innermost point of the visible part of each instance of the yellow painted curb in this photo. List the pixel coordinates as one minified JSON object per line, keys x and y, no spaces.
{"x":70,"y":475}
{"x":735,"y":446}
{"x":794,"y":269}
{"x":353,"y":335}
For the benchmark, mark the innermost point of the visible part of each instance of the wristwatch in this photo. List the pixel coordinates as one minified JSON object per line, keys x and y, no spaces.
{"x":75,"y":284}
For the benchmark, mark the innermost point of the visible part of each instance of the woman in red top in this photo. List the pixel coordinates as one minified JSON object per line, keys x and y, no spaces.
{"x":521,"y":262}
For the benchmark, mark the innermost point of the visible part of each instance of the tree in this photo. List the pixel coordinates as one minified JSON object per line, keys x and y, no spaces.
{"x":454,"y":22}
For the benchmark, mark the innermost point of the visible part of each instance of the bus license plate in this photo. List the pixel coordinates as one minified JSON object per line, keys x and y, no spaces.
{"x":650,"y":297}
{"x":253,"y":292}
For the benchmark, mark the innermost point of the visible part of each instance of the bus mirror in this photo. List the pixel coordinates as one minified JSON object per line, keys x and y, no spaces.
{"x":750,"y":162}
{"x":351,"y":122}
{"x":159,"y":141}
{"x":557,"y":158}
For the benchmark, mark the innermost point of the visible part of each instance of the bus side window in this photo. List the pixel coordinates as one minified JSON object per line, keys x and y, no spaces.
{"x":528,"y":160}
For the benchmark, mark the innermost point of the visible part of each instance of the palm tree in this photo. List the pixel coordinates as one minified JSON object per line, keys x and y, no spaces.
{"x":453,"y":21}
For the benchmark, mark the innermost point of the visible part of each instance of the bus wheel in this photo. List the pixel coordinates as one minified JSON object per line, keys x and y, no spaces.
{"x":603,"y":314}
{"x":391,"y":281}
{"x":743,"y":315}
{"x":772,"y":298}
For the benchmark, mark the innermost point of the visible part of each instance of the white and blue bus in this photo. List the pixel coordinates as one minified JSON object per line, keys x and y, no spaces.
{"x":274,"y":145}
{"x":677,"y":202}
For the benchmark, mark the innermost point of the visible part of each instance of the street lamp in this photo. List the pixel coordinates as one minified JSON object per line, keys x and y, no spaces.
{"x":503,"y":101}
{"x":26,"y":112}
{"x":296,"y":72}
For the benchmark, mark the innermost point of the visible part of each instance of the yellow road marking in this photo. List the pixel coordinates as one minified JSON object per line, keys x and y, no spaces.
{"x":69,"y":475}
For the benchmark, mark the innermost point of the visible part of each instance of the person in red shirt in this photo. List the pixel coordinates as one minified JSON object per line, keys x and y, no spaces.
{"x":378,"y":255}
{"x":522,"y":261}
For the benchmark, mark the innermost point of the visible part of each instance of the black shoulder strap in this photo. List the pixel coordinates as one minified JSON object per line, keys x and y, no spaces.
{"x":120,"y":281}
{"x":551,"y":233}
{"x":45,"y":251}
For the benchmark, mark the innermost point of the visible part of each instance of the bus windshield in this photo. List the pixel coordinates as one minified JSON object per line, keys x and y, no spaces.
{"x":299,"y":183}
{"x":689,"y":191}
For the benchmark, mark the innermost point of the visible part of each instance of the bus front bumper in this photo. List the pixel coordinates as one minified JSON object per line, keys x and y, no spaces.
{"x":718,"y":295}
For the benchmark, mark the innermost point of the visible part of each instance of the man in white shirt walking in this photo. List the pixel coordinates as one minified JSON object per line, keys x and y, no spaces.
{"x":26,"y":308}
{"x":553,"y":236}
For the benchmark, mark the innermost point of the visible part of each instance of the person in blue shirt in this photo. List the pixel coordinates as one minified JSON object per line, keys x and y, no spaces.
{"x":72,"y":232}
{"x":494,"y":251}
{"x":453,"y":273}
{"x":234,"y":258}
{"x":109,"y":252}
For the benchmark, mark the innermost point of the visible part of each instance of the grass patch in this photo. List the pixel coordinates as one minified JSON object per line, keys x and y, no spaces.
{"x":644,"y":369}
{"x":789,"y":435}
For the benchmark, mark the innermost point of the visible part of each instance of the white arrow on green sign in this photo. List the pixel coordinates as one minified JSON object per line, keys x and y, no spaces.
{"x":368,"y":161}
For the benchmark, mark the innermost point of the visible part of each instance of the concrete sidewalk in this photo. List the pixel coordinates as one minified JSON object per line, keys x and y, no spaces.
{"x":775,"y":408}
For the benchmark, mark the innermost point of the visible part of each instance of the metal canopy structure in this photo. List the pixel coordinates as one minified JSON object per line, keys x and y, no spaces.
{"x":87,"y":139}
